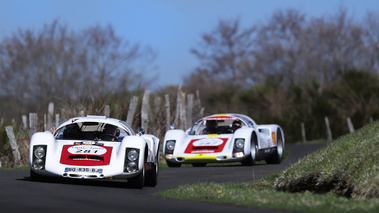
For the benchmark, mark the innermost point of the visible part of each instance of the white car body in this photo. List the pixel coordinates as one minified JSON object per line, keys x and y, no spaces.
{"x":255,"y":142}
{"x":89,"y":156}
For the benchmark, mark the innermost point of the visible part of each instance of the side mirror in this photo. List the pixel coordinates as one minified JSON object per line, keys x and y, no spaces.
{"x":141,"y":132}
{"x":172,"y":126}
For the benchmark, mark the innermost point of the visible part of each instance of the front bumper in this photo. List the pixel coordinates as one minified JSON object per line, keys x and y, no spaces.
{"x":204,"y":158}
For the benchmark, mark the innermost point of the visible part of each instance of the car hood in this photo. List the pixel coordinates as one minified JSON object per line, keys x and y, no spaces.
{"x":206,"y":143}
{"x":87,"y":154}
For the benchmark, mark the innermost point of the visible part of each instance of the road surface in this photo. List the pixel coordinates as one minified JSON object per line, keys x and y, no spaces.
{"x":19,"y":194}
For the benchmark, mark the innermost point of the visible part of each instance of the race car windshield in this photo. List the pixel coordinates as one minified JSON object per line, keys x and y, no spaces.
{"x":216,"y":126}
{"x":91,"y":131}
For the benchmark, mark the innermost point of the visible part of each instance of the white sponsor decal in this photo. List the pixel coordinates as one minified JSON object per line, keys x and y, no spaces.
{"x":208,"y":142}
{"x":93,"y":150}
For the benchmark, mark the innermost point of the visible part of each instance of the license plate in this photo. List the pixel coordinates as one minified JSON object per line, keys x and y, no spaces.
{"x":83,"y":169}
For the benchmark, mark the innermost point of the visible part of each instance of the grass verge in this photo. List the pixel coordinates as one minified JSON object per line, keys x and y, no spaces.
{"x":341,"y":177}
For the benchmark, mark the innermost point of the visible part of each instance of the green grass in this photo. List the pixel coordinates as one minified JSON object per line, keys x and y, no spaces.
{"x":341,"y":177}
{"x":254,"y":195}
{"x":347,"y":167}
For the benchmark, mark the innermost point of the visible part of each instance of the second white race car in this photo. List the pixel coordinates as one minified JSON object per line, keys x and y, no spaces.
{"x":224,"y":138}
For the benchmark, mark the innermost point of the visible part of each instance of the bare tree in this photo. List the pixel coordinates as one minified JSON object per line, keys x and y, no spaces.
{"x":299,"y":50}
{"x":278,"y":46}
{"x":336,"y":44}
{"x":289,"y":50}
{"x":224,"y":51}
{"x":53,"y":63}
{"x":371,"y":40}
{"x":110,"y":61}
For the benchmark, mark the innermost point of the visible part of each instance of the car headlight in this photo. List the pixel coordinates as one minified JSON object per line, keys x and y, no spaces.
{"x":131,"y":167}
{"x":39,"y":152}
{"x":39,"y":157}
{"x":240,"y":143}
{"x":132,"y":155}
{"x":170,"y":145}
{"x":38,"y":164}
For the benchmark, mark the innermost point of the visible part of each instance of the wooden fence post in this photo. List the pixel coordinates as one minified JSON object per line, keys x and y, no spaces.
{"x":106,"y":111}
{"x":132,"y":110}
{"x":328,"y":131}
{"x":144,"y":110}
{"x":152,"y":121}
{"x":202,"y":112}
{"x":57,"y":120}
{"x":167,"y":107}
{"x":44,"y":122}
{"x":182,"y":111}
{"x":157,"y":104}
{"x":190,"y":106}
{"x":157,"y":111}
{"x":115,"y":109}
{"x":14,"y":146}
{"x":50,"y":115}
{"x":303,"y":132}
{"x":24,"y":122}
{"x":33,"y":120}
{"x":350,"y":125}
{"x":177,"y":108}
{"x":198,"y":109}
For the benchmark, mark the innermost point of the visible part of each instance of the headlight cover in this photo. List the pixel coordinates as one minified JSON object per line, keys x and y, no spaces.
{"x":240,"y":143}
{"x":39,"y":157}
{"x":131,"y":160}
{"x":133,"y":155}
{"x":38,"y":164}
{"x":132,"y":167}
{"x":170,"y":145}
{"x":39,"y":152}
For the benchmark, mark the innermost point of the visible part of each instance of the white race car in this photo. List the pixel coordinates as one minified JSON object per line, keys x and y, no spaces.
{"x":95,"y":147}
{"x":224,"y":138}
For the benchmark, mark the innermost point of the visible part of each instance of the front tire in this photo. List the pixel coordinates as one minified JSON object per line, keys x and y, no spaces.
{"x":152,"y":175}
{"x":139,"y":180}
{"x":251,"y":159}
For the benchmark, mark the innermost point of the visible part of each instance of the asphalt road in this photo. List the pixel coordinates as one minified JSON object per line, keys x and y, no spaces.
{"x":19,"y":194}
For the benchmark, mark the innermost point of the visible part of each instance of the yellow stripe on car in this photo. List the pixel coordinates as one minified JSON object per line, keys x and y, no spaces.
{"x":203,"y":156}
{"x":220,"y":115}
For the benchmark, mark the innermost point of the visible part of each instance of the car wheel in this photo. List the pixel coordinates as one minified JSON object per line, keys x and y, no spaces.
{"x":199,"y":164}
{"x":251,"y":158}
{"x":152,"y":174}
{"x":139,"y":180}
{"x":171,"y":164}
{"x":277,"y":156}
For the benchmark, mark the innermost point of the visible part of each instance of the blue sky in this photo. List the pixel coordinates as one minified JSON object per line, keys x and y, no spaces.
{"x":171,"y":27}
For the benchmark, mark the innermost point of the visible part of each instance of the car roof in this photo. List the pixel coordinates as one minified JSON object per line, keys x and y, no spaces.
{"x":100,"y":119}
{"x":230,"y":116}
